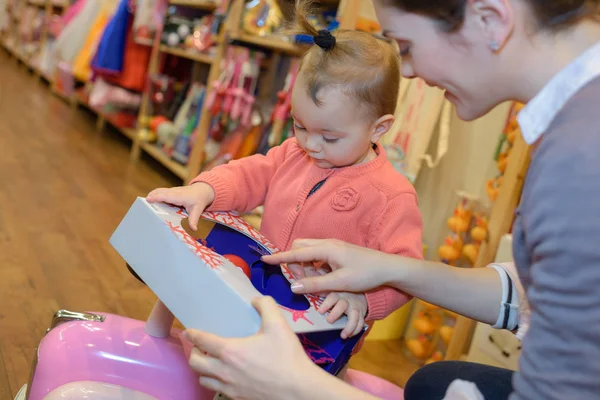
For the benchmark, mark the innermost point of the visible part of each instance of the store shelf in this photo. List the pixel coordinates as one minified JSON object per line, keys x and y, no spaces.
{"x":63,"y":96}
{"x":271,"y":43}
{"x":60,"y":4}
{"x":31,"y":63}
{"x":160,"y":156}
{"x":201,"y":5}
{"x":83,"y":100}
{"x":37,"y":3}
{"x":43,"y":74}
{"x":8,"y":45}
{"x":190,"y":55}
{"x":128,"y":132}
{"x":144,"y":41}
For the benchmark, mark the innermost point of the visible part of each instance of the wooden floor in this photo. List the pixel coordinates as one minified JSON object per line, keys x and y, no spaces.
{"x":63,"y":189}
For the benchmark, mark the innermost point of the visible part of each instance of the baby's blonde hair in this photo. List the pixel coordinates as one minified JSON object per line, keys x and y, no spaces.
{"x":367,"y":68}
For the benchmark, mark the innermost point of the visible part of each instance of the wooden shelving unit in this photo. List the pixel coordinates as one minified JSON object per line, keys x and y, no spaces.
{"x":500,"y":223}
{"x":160,"y":156}
{"x":190,"y":55}
{"x":230,"y":34}
{"x":201,"y":5}
{"x":37,"y":3}
{"x":272,"y":43}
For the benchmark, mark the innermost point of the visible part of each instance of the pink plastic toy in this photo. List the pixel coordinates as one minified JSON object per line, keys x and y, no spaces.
{"x":109,"y":357}
{"x":104,"y":356}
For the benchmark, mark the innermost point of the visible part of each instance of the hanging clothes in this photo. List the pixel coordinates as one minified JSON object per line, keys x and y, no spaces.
{"x":111,"y":49}
{"x":134,"y":69}
{"x":72,"y":38}
{"x":56,"y":26}
{"x":421,"y":109}
{"x":82,"y":64}
{"x":145,"y":23}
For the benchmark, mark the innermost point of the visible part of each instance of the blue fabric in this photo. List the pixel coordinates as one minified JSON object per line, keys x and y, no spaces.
{"x":111,"y":48}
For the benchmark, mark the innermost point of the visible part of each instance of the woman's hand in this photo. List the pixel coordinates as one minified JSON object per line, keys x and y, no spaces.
{"x":195,"y":198}
{"x":269,"y":365}
{"x":357,"y":269}
{"x":354,"y":268}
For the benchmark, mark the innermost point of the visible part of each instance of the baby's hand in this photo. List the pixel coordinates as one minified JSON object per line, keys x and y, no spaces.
{"x":195,"y":198}
{"x":354,"y":305}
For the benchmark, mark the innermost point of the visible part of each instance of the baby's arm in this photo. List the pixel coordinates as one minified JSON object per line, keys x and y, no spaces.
{"x":242,"y":185}
{"x":398,"y":230}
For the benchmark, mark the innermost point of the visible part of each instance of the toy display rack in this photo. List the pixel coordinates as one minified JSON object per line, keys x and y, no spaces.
{"x":229,"y":34}
{"x":10,"y":40}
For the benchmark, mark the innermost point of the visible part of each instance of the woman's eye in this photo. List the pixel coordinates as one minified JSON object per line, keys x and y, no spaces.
{"x":330,"y":140}
{"x":403,"y":47}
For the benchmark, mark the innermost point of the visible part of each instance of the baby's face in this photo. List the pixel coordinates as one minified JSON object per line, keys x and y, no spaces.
{"x":335,"y":134}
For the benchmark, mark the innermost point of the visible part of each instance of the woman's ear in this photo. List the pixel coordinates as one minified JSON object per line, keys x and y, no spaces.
{"x":495,"y":18}
{"x":381,"y":126}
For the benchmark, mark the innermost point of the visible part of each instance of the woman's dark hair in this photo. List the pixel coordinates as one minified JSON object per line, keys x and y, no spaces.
{"x":550,"y":14}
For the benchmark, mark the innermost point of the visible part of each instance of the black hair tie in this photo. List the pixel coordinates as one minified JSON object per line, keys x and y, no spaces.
{"x":325,"y":40}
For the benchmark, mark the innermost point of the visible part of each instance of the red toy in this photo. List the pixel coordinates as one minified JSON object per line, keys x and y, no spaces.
{"x":240,"y":263}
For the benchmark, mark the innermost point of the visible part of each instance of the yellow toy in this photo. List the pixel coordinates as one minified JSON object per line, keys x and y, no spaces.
{"x":436,"y":356}
{"x":262,"y":18}
{"x":451,"y":250}
{"x":419,"y":347}
{"x":478,"y":235}
{"x":460,"y":221}
{"x":502,"y":161}
{"x":493,"y":187}
{"x":508,"y":138}
{"x":446,"y":333}
{"x":470,"y":251}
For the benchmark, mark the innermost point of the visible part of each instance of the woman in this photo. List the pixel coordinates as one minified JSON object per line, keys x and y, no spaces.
{"x":545,"y":53}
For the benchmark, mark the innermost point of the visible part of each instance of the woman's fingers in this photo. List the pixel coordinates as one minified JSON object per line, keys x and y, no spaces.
{"x":334,"y":281}
{"x":204,"y":364}
{"x":297,"y":270}
{"x":207,"y":342}
{"x":270,"y":313}
{"x":301,"y":243}
{"x":320,"y":250}
{"x":212,"y":384}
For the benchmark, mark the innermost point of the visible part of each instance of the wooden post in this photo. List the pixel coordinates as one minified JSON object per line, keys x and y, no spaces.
{"x":142,"y":120}
{"x":501,"y":219}
{"x":197,"y":154}
{"x":350,"y":10}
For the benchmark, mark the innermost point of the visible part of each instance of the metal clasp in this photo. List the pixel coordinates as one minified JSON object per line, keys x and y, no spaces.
{"x":65,"y":316}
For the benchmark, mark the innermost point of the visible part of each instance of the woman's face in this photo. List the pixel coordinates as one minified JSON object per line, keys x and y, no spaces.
{"x":461,"y":63}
